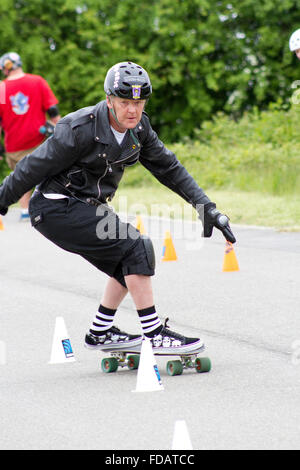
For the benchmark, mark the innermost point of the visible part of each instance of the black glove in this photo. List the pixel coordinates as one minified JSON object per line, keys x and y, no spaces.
{"x":214,"y":218}
{"x":3,"y":210}
{"x":47,"y":129}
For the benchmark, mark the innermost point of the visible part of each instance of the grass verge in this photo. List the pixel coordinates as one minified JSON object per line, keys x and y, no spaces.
{"x":245,"y":208}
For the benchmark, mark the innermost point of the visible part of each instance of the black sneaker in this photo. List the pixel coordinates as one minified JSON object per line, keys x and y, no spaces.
{"x":168,"y":342}
{"x":112,"y":339}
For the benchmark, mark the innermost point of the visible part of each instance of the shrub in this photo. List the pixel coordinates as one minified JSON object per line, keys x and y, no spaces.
{"x":261,"y":153}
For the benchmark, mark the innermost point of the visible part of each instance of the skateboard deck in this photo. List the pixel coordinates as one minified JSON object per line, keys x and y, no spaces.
{"x":131,"y":358}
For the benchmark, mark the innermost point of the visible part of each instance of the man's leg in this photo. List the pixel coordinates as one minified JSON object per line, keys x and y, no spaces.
{"x":163,"y":340}
{"x":24,"y":201}
{"x":113,"y":294}
{"x":102,"y":332}
{"x":12,"y":159}
{"x":140,"y":288}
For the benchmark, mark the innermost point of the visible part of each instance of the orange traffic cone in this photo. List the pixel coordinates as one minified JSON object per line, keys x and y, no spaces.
{"x":230,"y":262}
{"x":169,"y":253}
{"x":1,"y":224}
{"x":140,"y":225}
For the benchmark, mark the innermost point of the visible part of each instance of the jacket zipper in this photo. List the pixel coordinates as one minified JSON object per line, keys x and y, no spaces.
{"x":68,"y":176}
{"x":109,"y":169}
{"x":124,"y":159}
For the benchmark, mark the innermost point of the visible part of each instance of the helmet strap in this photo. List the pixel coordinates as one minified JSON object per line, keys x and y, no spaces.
{"x":113,"y":112}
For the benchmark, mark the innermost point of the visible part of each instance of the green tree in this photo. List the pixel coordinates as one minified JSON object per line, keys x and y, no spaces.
{"x":203,"y":55}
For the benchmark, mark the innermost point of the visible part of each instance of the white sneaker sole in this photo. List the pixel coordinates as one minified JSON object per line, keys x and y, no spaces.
{"x":186,"y":350}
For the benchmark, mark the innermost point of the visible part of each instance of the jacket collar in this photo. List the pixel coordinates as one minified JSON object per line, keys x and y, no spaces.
{"x":103,"y":132}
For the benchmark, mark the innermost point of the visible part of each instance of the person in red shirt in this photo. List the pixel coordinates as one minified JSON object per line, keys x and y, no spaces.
{"x":25,"y":101}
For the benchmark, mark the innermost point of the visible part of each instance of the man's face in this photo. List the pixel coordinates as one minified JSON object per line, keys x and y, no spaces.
{"x":128,"y":112}
{"x":297,"y":52}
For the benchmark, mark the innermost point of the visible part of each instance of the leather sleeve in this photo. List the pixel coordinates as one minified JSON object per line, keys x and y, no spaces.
{"x":56,"y":154}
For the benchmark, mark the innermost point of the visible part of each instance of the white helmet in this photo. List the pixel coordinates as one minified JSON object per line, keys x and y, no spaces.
{"x":10,"y":61}
{"x":295,"y":40}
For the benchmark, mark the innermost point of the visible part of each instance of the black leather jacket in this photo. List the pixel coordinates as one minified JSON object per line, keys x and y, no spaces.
{"x":83,"y":159}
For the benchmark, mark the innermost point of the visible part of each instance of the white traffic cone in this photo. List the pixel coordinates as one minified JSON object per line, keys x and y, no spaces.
{"x":181,"y":438}
{"x":61,"y":346}
{"x":148,"y":377}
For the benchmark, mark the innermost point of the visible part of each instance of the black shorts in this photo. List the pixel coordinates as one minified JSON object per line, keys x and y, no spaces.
{"x":95,"y":233}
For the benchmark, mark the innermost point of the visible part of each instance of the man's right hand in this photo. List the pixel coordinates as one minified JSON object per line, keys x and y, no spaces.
{"x":47,"y":129}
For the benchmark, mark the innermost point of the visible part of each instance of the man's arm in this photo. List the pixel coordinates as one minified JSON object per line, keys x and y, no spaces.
{"x":55,"y":120}
{"x":54,"y":115}
{"x":56,"y":154}
{"x":164,"y":165}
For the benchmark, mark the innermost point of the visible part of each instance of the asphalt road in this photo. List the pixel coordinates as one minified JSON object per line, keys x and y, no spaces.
{"x":248,"y":319}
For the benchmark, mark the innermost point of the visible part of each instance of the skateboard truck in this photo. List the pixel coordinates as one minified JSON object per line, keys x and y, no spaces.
{"x":174,"y":367}
{"x":200,"y":364}
{"x":122,"y":359}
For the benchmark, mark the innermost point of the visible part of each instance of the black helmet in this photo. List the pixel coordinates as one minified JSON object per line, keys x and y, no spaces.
{"x":10,"y":61}
{"x":128,"y":80}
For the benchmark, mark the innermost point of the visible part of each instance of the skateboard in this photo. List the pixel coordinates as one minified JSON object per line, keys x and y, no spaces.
{"x":131,"y":359}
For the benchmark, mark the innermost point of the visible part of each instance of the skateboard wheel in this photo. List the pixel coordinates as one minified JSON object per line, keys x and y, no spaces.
{"x":109,"y":364}
{"x":174,"y":367}
{"x":133,"y":362}
{"x":202,"y":364}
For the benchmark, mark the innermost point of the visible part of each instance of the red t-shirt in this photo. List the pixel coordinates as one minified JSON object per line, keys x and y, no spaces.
{"x":23,"y":105}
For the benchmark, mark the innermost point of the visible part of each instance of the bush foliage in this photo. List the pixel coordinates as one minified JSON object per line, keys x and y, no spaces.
{"x":259,"y":153}
{"x":203,"y":56}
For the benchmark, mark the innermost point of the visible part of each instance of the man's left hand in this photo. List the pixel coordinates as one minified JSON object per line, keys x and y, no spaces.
{"x":3,"y":210}
{"x":214,"y":218}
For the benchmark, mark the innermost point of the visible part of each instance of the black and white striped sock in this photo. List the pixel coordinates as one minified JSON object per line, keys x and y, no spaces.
{"x":103,"y":321}
{"x":150,"y":322}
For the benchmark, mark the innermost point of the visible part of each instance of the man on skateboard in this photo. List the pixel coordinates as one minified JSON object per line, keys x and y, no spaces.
{"x":77,"y":170}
